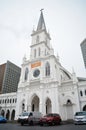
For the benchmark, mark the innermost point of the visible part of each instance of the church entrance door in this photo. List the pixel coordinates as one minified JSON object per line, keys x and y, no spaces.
{"x":35,"y":103}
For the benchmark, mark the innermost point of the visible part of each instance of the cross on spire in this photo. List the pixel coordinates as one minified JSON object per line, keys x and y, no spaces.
{"x":41,"y":10}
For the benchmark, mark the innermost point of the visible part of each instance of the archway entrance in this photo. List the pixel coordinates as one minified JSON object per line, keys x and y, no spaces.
{"x":2,"y":112}
{"x":48,"y":106}
{"x":35,"y":103}
{"x":8,"y":114}
{"x":69,"y":109}
{"x":13,"y":115}
{"x":84,"y":108}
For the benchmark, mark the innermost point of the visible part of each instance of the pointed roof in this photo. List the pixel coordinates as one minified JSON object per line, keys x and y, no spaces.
{"x":41,"y":23}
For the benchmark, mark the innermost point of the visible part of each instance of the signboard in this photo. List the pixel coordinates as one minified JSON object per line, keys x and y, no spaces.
{"x":36,"y":64}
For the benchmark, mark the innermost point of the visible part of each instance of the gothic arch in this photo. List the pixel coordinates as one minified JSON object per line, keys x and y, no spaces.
{"x":26,"y":74}
{"x":68,"y":99}
{"x":68,"y":103}
{"x":8,"y":114}
{"x":13,"y":114}
{"x":48,"y":105}
{"x":35,"y":102}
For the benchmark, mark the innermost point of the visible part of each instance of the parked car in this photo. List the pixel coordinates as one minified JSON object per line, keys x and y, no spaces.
{"x":2,"y":119}
{"x":50,"y":119}
{"x":80,"y":117}
{"x":29,"y":118}
{"x":19,"y":118}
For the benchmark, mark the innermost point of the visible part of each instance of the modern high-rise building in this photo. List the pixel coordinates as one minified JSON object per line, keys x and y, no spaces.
{"x":83,"y":49}
{"x":2,"y":70}
{"x":9,"y":77}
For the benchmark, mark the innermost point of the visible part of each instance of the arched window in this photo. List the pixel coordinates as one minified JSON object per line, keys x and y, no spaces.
{"x":39,"y":50}
{"x":10,"y":100}
{"x":37,"y":39}
{"x":34,"y":53}
{"x":69,"y":102}
{"x":3,"y":101}
{"x":26,"y":74}
{"x":33,"y":107}
{"x":47,"y":69}
{"x":81,"y":94}
{"x":13,"y":100}
{"x":85,"y":92}
{"x":23,"y":106}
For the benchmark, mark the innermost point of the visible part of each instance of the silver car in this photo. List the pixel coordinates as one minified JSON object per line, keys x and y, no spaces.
{"x":80,"y":117}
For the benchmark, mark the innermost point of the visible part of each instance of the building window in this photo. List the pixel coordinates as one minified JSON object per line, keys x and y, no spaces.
{"x":69,"y":102}
{"x":34,"y":53}
{"x":26,"y":74}
{"x":85,"y":92}
{"x":37,"y":39}
{"x":33,"y":107}
{"x":81,"y":94}
{"x":10,"y":100}
{"x":23,"y":106}
{"x":13,"y":100}
{"x":5,"y":100}
{"x":47,"y":69}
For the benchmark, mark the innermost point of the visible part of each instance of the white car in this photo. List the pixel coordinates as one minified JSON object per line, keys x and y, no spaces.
{"x":80,"y":117}
{"x":29,"y":118}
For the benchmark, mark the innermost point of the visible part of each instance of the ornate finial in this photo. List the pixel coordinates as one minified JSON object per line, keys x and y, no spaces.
{"x":41,"y":10}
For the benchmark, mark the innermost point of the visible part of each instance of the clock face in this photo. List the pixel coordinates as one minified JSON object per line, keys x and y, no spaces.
{"x":36,"y":73}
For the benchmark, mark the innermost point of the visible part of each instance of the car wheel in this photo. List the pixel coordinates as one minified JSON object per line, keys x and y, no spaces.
{"x":31,"y":122}
{"x":53,"y":123}
{"x":41,"y":124}
{"x":22,"y":123}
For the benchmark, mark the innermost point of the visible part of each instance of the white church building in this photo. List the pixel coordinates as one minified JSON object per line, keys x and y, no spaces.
{"x":45,"y":85}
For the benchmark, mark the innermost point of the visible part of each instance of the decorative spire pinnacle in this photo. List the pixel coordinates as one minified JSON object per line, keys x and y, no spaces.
{"x":75,"y":80}
{"x":41,"y":23}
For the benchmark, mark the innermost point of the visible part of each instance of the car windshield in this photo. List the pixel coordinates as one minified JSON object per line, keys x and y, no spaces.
{"x":48,"y":115}
{"x":25,"y":114}
{"x":80,"y":113}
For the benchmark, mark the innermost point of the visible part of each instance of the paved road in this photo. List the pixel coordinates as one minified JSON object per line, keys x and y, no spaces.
{"x":9,"y":126}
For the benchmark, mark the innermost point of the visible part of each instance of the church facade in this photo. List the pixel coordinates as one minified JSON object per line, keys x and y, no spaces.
{"x":45,"y":85}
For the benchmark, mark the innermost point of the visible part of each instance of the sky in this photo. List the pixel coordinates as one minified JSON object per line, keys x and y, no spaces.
{"x":65,"y":20}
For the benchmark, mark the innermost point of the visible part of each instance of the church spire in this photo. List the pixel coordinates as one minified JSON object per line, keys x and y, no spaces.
{"x":41,"y":23}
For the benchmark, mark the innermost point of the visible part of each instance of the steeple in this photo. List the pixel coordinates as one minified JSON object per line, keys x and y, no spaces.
{"x":41,"y":23}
